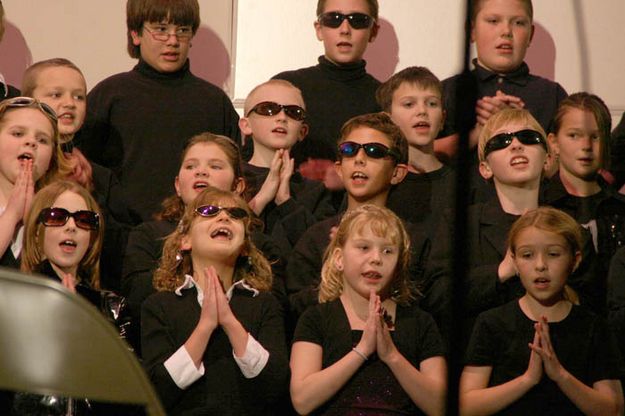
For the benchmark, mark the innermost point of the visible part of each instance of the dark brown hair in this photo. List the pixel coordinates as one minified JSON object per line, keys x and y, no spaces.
{"x":419,"y":76}
{"x":178,"y":12}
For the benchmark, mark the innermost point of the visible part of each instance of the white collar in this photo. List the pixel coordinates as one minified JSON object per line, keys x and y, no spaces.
{"x":189,"y":283}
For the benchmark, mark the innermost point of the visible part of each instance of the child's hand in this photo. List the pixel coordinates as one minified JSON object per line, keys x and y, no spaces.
{"x":486,"y":106}
{"x":535,"y":366}
{"x":368,"y":342}
{"x":267,"y":192}
{"x":506,"y":268}
{"x":283,"y":193}
{"x":551,"y":364}
{"x":20,"y":199}
{"x":209,"y":317}
{"x":224,"y":313}
{"x":333,"y":231}
{"x":68,"y":281}
{"x":384,"y":343}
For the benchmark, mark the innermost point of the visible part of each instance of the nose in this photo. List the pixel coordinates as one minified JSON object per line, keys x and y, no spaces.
{"x":172,"y":39}
{"x":375,"y":257}
{"x":516,"y":144}
{"x":506,"y":29}
{"x":70,"y":225}
{"x":541,"y":264}
{"x":31,"y":141}
{"x":201,"y":172}
{"x":345,"y":26}
{"x":361,"y":157}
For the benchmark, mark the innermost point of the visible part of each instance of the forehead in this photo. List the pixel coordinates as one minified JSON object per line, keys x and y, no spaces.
{"x":511,"y":127}
{"x":27,"y":117}
{"x":278,"y":92}
{"x":71,"y":201}
{"x":346,"y":6}
{"x":534,"y":236}
{"x":364,"y":135}
{"x":579,"y":118}
{"x":503,"y":7}
{"x":61,"y":76}
{"x":205,"y":150}
{"x":408,"y":88}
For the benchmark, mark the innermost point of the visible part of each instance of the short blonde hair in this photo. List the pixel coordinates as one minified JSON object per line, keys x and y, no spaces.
{"x":383,"y":223}
{"x":502,"y":118}
{"x":272,"y":82}
{"x":33,"y":255}
{"x":175,"y":264}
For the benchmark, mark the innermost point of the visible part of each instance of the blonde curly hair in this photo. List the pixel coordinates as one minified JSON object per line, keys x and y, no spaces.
{"x":382,"y":222}
{"x":251,"y":265}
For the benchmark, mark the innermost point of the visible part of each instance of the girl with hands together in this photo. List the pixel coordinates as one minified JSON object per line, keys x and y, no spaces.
{"x":213,"y":336}
{"x":542,"y":354}
{"x":365,"y":332}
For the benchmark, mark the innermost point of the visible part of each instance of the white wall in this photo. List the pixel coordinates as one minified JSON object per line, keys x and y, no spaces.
{"x":579,"y":43}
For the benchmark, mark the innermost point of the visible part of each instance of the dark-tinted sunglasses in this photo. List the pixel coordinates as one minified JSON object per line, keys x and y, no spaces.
{"x":58,"y":217}
{"x":269,"y":108}
{"x":503,"y":140}
{"x":212,"y":210}
{"x":373,"y":150}
{"x":355,"y":20}
{"x":19,"y":102}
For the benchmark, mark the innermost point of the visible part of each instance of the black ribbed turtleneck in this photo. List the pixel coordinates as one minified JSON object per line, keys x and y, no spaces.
{"x":333,"y":94}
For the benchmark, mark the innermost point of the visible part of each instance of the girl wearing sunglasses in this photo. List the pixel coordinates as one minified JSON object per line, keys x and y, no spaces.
{"x":30,"y":157}
{"x":213,"y":336}
{"x":63,"y":240}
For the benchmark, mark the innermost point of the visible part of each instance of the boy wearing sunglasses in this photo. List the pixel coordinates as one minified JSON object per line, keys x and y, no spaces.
{"x":138,"y":122}
{"x":339,"y":87}
{"x":274,"y":119}
{"x":372,"y":159}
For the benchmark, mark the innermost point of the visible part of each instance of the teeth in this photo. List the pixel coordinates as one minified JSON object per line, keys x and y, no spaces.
{"x":372,"y":275}
{"x":25,"y":156}
{"x":200,"y":185}
{"x":69,"y":243}
{"x":518,"y":160}
{"x":359,"y":175}
{"x":222,"y":231}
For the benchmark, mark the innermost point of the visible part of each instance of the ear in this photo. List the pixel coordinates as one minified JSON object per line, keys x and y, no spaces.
{"x":339,"y":171}
{"x":399,"y":173}
{"x":136,"y":39}
{"x":529,"y":42}
{"x":245,"y":126}
{"x":239,"y":186}
{"x":318,"y":30}
{"x":177,"y":185}
{"x":553,"y":143}
{"x":485,"y":170}
{"x":337,"y":258}
{"x":185,"y":243}
{"x":578,"y":260}
{"x":374,"y":32}
{"x":303,"y":132}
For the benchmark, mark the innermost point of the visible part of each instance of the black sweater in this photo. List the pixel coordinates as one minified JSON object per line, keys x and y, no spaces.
{"x":333,"y":94}
{"x":138,"y":123}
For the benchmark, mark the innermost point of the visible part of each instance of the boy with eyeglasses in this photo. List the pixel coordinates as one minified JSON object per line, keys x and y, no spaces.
{"x":138,"y":122}
{"x":275,"y":120}
{"x":372,"y":159}
{"x":339,"y":87}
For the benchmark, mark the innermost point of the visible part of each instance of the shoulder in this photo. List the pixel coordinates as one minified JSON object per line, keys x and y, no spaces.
{"x":297,"y":74}
{"x":502,"y":315}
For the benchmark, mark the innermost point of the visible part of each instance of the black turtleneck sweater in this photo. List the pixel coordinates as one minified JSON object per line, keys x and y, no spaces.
{"x":138,"y":123}
{"x":333,"y":94}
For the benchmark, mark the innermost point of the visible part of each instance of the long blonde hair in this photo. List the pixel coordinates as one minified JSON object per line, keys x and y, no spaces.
{"x":33,"y":256}
{"x":175,"y":264}
{"x":383,"y":223}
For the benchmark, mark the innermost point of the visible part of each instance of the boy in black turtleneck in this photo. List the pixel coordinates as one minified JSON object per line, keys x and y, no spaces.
{"x":338,"y":88}
{"x":138,"y":121}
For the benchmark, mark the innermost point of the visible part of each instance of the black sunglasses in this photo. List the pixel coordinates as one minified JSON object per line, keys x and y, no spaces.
{"x":503,"y":140}
{"x":373,"y":150}
{"x":212,"y":210}
{"x":20,"y":102}
{"x":355,"y":20}
{"x":58,"y":217}
{"x":269,"y":108}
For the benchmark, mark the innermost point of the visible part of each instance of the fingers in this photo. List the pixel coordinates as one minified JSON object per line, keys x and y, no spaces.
{"x":69,"y":282}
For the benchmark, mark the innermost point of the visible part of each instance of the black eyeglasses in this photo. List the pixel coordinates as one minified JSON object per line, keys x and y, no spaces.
{"x":212,"y":210}
{"x":25,"y":102}
{"x":58,"y":217}
{"x":373,"y":150}
{"x":356,"y":20}
{"x":503,"y":140}
{"x":269,"y":108}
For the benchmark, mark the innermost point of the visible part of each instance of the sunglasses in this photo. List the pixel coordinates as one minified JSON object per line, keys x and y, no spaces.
{"x":212,"y":210}
{"x":355,"y":20}
{"x":269,"y":108}
{"x":502,"y":140}
{"x":58,"y":217}
{"x":373,"y":150}
{"x":20,"y":102}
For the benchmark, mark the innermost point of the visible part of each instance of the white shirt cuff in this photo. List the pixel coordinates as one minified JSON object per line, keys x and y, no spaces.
{"x":254,"y":359}
{"x":182,"y":369}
